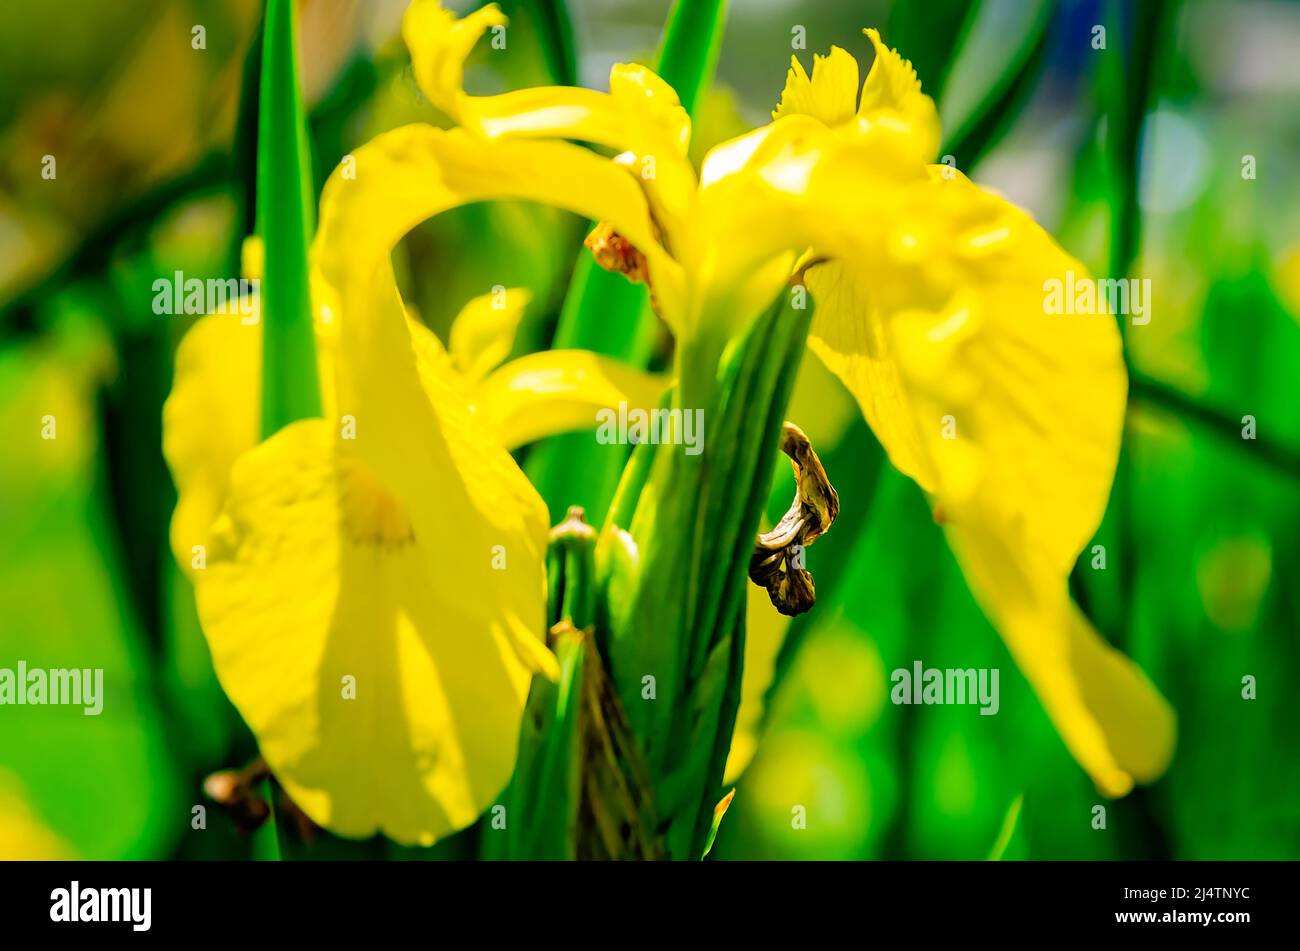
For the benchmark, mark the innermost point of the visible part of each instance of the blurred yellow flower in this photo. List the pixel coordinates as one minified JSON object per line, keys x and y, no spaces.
{"x":23,"y":837}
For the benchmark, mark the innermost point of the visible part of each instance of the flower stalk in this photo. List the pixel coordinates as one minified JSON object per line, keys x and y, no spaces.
{"x":692,"y":527}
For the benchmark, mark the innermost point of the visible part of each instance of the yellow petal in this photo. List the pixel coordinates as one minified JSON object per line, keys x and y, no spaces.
{"x":1010,"y":417}
{"x":848,"y":336}
{"x":413,"y":425}
{"x":768,"y":196}
{"x":23,"y":836}
{"x":830,"y":95}
{"x":1114,"y":722}
{"x":765,"y":630}
{"x":751,"y":221}
{"x":892,"y":106}
{"x":412,"y":173}
{"x":892,"y":94}
{"x":211,"y":416}
{"x":374,"y":658}
{"x":557,"y":391}
{"x":440,"y":43}
{"x":942,"y":335}
{"x":209,"y":420}
{"x":640,"y":117}
{"x":641,"y":112}
{"x":484,"y":331}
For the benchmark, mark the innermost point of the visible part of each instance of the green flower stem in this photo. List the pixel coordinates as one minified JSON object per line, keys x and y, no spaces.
{"x":285,"y":223}
{"x":724,"y":616}
{"x":755,"y":436}
{"x":677,"y":613}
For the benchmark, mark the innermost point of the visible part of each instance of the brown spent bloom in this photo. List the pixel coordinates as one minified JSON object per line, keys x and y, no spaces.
{"x":777,"y":563}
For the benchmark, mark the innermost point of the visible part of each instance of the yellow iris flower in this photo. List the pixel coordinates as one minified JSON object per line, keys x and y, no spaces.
{"x":929,"y":309}
{"x":378,"y":558}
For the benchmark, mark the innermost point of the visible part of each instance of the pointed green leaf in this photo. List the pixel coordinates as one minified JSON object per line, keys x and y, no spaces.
{"x":285,"y":223}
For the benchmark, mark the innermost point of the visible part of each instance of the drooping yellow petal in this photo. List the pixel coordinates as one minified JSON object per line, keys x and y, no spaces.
{"x":380,"y":676}
{"x":557,"y":391}
{"x":1114,"y":722}
{"x":940,"y":330}
{"x":215,"y":396}
{"x":484,"y":331}
{"x":405,"y":424}
{"x":1010,"y":417}
{"x":401,"y":515}
{"x":413,"y":426}
{"x":932,"y":311}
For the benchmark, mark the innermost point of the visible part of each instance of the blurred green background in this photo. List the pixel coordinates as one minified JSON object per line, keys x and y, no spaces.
{"x":1169,"y":155}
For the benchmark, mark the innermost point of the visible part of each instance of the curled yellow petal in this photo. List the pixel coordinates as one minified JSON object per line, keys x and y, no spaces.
{"x":440,"y":43}
{"x":640,"y":117}
{"x":557,"y":391}
{"x":641,"y":112}
{"x":415,"y":172}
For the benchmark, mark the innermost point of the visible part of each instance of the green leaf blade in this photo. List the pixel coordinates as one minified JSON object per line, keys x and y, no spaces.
{"x":285,"y":223}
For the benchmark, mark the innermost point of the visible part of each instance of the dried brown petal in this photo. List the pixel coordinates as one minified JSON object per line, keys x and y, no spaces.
{"x":777,"y":562}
